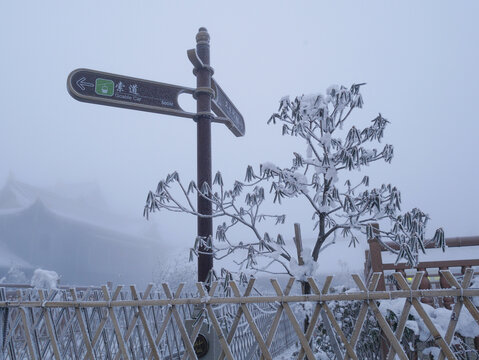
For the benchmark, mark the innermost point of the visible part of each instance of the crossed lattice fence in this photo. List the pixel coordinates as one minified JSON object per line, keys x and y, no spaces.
{"x":116,"y":324}
{"x":103,"y":323}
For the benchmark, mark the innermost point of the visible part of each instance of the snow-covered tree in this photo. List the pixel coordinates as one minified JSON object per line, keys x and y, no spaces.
{"x":319,"y":176}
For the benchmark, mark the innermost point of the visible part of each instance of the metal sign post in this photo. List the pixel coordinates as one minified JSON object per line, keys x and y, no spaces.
{"x":203,"y":95}
{"x":126,"y":92}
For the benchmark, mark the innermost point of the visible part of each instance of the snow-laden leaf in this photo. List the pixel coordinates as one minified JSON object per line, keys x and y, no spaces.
{"x":355,"y":88}
{"x":353,"y":241}
{"x":439,"y":239}
{"x":209,"y":242}
{"x":285,"y":102}
{"x":191,"y":187}
{"x":345,"y":232}
{"x":395,"y":198}
{"x":365,"y":180}
{"x":348,"y":204}
{"x":221,"y":232}
{"x":172,"y":177}
{"x":388,"y":153}
{"x":205,"y":189}
{"x":249,"y":174}
{"x":358,"y":101}
{"x":280,"y":219}
{"x":197,"y":244}
{"x":146,"y":212}
{"x":161,"y":187}
{"x":150,"y":198}
{"x":237,"y":188}
{"x":266,"y":237}
{"x":273,"y":118}
{"x":192,"y":255}
{"x":353,"y":137}
{"x":218,"y":179}
{"x":298,"y":160}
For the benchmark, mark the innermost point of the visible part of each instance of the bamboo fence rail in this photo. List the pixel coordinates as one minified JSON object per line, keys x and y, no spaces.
{"x":374,"y":263}
{"x":118,"y":324}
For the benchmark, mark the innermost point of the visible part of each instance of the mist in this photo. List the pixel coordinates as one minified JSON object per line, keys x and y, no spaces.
{"x":419,"y":61}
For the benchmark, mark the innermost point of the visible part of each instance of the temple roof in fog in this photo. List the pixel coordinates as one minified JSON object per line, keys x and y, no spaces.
{"x":83,"y":201}
{"x":39,"y":228}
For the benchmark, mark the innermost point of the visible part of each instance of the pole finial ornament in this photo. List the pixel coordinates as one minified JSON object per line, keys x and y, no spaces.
{"x":202,"y":36}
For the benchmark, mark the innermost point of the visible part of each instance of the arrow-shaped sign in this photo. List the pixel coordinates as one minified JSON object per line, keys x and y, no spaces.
{"x":221,"y":105}
{"x":227,"y":113}
{"x":127,"y":92}
{"x":137,"y":94}
{"x":81,"y":83}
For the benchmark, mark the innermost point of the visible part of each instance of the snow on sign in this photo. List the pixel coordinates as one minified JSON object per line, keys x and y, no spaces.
{"x":126,"y":92}
{"x":227,"y":113}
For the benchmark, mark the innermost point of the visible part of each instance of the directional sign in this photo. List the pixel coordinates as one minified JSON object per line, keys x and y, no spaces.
{"x":126,"y":92}
{"x":221,"y":105}
{"x":227,"y":113}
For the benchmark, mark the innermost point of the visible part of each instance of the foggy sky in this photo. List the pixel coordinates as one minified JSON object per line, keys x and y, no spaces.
{"x":419,"y":60}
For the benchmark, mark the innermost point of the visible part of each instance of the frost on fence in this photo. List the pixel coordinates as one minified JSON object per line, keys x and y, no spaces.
{"x":109,"y":323}
{"x":114,"y":323}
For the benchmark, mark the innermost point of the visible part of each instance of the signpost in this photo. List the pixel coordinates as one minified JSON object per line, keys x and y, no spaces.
{"x":122,"y":91}
{"x":127,"y":92}
{"x":227,"y":112}
{"x":222,"y":106}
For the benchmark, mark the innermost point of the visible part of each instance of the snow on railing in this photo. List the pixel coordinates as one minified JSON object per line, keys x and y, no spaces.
{"x":376,"y":261}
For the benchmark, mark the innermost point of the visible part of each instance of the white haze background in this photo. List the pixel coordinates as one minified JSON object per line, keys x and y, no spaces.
{"x":419,"y":60}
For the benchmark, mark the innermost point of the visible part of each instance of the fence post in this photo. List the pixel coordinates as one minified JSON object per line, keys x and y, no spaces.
{"x":4,"y":320}
{"x":305,"y":288}
{"x":376,"y":257}
{"x":377,"y":266}
{"x":476,"y":339}
{"x":447,"y":301}
{"x":425,"y":285}
{"x":298,"y":243}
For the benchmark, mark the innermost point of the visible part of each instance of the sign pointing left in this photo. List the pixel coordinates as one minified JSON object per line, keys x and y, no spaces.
{"x":131,"y":93}
{"x":81,"y":83}
{"x":127,"y":92}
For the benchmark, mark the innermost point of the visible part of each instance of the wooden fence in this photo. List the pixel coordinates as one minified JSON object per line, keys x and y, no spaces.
{"x":91,"y":324}
{"x":105,"y":323}
{"x":433,"y":278}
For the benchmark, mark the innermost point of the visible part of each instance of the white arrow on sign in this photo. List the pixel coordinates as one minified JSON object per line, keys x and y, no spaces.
{"x":82,"y":83}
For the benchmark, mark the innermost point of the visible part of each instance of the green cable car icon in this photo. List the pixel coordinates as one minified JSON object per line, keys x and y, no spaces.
{"x":104,"y":87}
